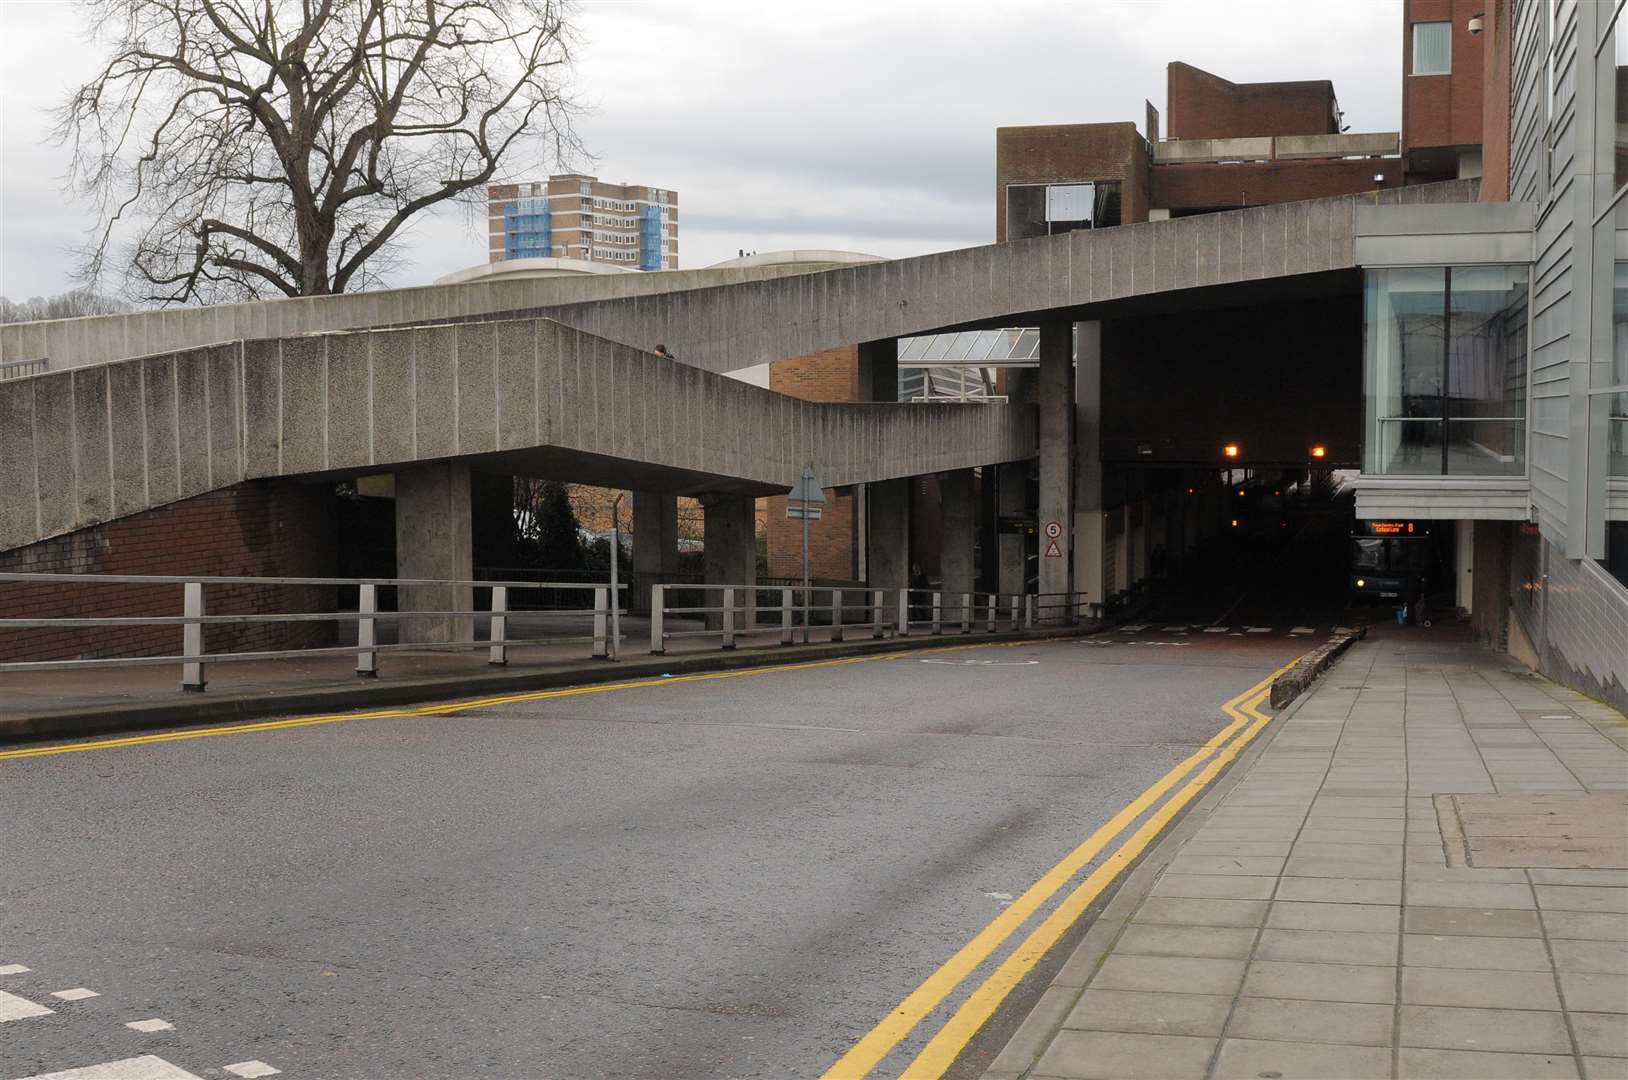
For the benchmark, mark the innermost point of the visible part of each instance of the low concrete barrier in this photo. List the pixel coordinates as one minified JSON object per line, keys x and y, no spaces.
{"x":1292,"y":683}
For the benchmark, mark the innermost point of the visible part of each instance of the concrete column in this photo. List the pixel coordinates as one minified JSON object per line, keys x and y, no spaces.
{"x":1089,"y":520}
{"x":1056,"y":397}
{"x":434,"y":539}
{"x":1464,"y":564}
{"x":887,"y":543}
{"x":879,"y":370}
{"x":958,"y":497}
{"x":1011,"y":501}
{"x":730,"y":532}
{"x":655,"y":544}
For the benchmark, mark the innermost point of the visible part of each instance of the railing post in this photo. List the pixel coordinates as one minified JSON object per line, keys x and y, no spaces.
{"x":904,"y":612}
{"x":938,"y":613}
{"x":966,"y":613}
{"x":658,"y":603}
{"x":788,"y":636}
{"x":499,"y":654}
{"x":1030,"y":602}
{"x":729,"y":618}
{"x":601,"y":613}
{"x":367,"y":631}
{"x":993,"y":604}
{"x":1017,"y":612}
{"x":836,"y":614}
{"x":192,"y":636}
{"x":876,"y":614}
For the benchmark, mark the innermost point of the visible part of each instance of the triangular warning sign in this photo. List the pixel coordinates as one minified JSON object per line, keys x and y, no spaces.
{"x":1053,"y":551}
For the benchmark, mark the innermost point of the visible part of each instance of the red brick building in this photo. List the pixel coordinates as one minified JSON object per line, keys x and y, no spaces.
{"x":1226,"y":145}
{"x":1443,"y":88}
{"x":833,"y":541}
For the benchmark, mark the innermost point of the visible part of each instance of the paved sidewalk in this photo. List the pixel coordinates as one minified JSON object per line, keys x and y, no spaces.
{"x":1319,"y":924}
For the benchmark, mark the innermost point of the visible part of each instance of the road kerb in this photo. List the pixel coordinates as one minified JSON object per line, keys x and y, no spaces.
{"x":942,"y":1050}
{"x":876,"y":1044}
{"x":1023,"y":1049}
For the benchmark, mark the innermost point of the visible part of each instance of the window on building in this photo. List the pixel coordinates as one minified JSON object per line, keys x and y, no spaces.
{"x":1046,"y":209}
{"x":1444,"y":376}
{"x":1432,"y":48}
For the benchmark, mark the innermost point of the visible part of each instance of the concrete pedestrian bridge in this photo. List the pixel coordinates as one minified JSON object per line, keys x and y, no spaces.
{"x":554,"y":377}
{"x":523,"y":397}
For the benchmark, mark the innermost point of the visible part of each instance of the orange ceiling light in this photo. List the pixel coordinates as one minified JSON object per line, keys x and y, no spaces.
{"x":1319,"y":451}
{"x":1230,"y":450}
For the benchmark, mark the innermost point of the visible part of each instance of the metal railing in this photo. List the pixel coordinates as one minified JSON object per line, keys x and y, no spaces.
{"x":1066,"y":608}
{"x":883,"y":612}
{"x":194,"y":619}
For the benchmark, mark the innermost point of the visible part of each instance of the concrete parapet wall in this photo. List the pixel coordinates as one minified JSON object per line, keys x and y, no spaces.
{"x":724,"y":328}
{"x":103,"y":338}
{"x":97,"y":443}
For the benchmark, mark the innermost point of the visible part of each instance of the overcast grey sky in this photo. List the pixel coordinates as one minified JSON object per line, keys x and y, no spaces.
{"x":866,"y":125}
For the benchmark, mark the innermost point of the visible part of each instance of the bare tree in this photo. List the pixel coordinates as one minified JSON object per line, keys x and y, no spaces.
{"x":248,"y":148}
{"x":66,"y":305}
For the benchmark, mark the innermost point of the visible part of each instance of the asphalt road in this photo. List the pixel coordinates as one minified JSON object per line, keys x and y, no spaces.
{"x":732,"y":877}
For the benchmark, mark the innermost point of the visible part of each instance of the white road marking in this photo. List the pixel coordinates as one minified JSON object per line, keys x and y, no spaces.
{"x":1342,"y":630}
{"x":146,"y":1067}
{"x":155,"y":1024}
{"x":12,"y":969}
{"x":1215,"y":629}
{"x":1302,"y":630}
{"x":1124,"y":641}
{"x":13,"y":1007}
{"x":1175,"y":629}
{"x":252,"y":1069}
{"x":1135,"y":628}
{"x":1257,"y":629}
{"x":78,"y":993}
{"x":983,"y":663}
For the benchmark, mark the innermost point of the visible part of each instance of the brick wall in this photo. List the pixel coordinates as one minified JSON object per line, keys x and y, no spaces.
{"x":831,"y":375}
{"x":256,"y":529}
{"x":1443,"y":110}
{"x":1179,"y":187}
{"x":1205,"y":106}
{"x":1065,"y":153}
{"x":1495,"y":72}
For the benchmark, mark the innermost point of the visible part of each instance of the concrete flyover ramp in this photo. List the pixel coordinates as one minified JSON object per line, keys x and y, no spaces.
{"x":98,"y":339}
{"x":729,"y":326}
{"x":94,"y":443}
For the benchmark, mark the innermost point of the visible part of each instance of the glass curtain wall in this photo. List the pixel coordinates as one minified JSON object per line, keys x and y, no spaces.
{"x":1445,"y":371}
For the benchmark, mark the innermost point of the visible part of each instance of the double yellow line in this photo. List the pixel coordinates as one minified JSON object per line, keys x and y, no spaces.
{"x":944,"y":1047}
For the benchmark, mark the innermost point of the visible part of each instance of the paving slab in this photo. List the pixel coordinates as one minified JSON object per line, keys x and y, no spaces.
{"x":1382,"y":943}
